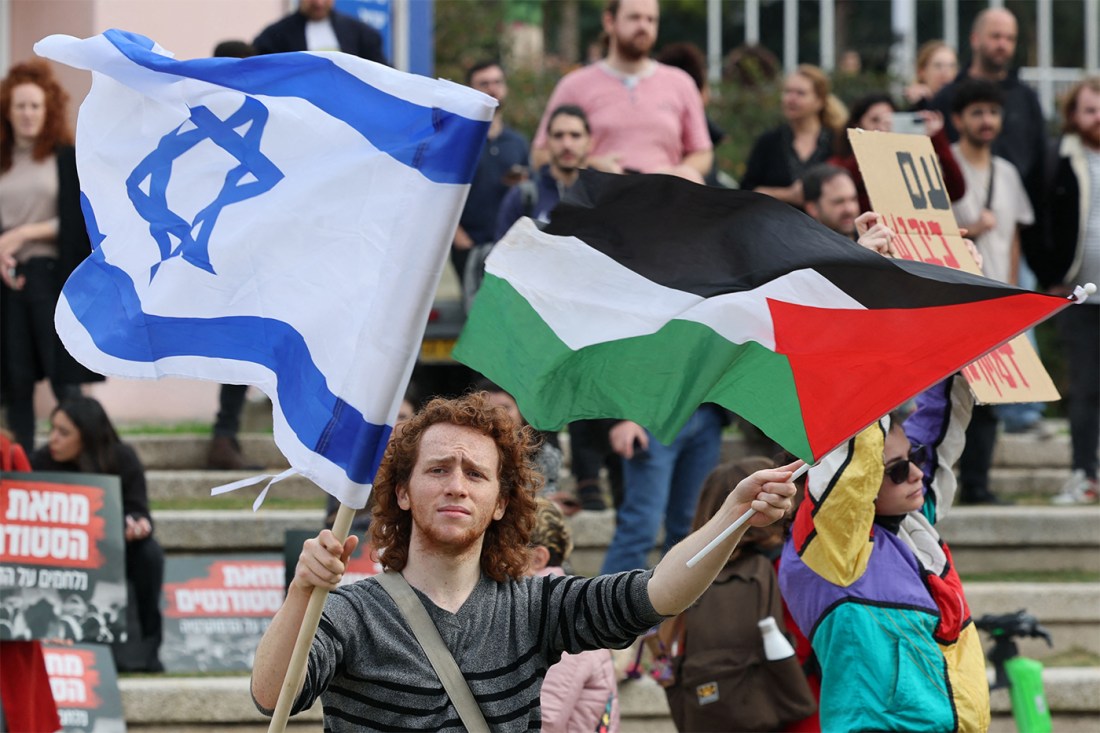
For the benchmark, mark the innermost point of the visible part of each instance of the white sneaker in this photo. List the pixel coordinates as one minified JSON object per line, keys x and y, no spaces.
{"x":1078,"y":489}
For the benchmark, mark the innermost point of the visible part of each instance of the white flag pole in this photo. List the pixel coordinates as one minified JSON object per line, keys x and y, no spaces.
{"x":737,"y":524}
{"x":296,"y":670}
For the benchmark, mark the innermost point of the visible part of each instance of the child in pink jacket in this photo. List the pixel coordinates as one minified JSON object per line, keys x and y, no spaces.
{"x":579,"y":693}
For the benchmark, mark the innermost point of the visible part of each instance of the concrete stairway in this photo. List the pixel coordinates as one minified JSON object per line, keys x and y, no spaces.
{"x":170,"y":705}
{"x":986,"y":542}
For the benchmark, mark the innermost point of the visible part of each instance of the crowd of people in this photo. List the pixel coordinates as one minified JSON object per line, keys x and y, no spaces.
{"x":466,"y":506}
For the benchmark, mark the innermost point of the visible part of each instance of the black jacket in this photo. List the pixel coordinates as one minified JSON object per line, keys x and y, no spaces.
{"x":1023,"y":137}
{"x":128,"y":468}
{"x":354,"y":36}
{"x":1055,"y":248}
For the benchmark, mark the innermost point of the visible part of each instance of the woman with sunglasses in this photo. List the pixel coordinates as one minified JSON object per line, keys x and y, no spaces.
{"x":867,"y":577}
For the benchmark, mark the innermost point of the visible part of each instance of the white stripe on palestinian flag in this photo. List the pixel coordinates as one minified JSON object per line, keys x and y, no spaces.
{"x":587,"y":298}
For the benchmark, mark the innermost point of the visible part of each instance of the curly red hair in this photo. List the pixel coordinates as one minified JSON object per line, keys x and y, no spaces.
{"x":56,"y":129}
{"x":504,"y":553}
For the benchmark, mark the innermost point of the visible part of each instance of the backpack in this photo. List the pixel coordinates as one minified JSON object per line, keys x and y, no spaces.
{"x":475,"y":261}
{"x":721,"y":679}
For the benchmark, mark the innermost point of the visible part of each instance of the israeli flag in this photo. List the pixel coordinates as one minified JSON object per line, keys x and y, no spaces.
{"x":279,"y":221}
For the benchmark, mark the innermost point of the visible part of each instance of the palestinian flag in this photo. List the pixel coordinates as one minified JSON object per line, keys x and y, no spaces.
{"x":647,"y":295}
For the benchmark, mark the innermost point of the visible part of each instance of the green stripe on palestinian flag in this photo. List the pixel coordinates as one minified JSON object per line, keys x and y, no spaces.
{"x":646,"y":296}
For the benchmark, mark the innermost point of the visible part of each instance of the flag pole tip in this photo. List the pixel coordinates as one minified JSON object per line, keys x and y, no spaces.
{"x":1082,"y":292}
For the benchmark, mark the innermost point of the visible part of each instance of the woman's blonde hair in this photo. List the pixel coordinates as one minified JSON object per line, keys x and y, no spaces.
{"x":833,"y":113}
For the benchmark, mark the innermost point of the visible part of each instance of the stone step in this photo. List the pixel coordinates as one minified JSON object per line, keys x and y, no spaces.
{"x":232,"y":530}
{"x":170,"y":704}
{"x":189,"y":451}
{"x":1069,"y":611}
{"x":982,"y":539}
{"x":195,"y":484}
{"x":158,"y":451}
{"x":189,"y":483}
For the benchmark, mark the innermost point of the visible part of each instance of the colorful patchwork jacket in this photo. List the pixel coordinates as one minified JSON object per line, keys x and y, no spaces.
{"x":885,"y":612}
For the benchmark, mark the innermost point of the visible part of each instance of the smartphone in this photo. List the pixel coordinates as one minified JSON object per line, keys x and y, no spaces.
{"x":908,"y":123}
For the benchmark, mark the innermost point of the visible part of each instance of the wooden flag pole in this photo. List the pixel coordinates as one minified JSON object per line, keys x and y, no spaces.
{"x":736,"y":524}
{"x":296,"y":670}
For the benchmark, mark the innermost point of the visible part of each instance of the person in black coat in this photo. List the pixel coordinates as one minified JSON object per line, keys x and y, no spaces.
{"x":42,"y":240}
{"x":315,"y":26}
{"x":83,"y":440}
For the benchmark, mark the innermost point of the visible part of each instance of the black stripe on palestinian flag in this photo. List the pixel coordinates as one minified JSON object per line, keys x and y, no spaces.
{"x":574,"y":333}
{"x":709,"y":241}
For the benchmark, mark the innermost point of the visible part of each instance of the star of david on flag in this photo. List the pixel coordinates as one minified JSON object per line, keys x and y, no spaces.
{"x":280,"y":221}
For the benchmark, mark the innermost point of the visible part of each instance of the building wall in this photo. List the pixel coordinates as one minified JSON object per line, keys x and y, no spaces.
{"x":189,"y":29}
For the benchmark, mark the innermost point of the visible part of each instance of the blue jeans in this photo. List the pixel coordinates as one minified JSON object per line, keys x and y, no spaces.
{"x":663,"y":481}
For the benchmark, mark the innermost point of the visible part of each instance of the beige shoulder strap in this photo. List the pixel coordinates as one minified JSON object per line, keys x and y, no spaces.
{"x":443,"y":662}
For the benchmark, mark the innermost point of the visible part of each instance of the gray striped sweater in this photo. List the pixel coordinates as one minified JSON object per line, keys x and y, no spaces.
{"x":370,"y":673}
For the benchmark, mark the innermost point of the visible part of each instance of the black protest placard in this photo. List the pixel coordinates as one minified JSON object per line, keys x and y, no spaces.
{"x":62,"y":557}
{"x":85,"y":687}
{"x":217,"y":608}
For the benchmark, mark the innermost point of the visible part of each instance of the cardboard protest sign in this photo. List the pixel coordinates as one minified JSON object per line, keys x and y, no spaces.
{"x":217,"y":608}
{"x":905,"y":184}
{"x":85,"y":688}
{"x":62,"y":557}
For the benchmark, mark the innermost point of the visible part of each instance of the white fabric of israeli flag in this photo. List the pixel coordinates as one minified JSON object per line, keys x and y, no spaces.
{"x":280,"y":221}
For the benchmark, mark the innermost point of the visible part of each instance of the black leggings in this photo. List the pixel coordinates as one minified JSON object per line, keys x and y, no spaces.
{"x":31,"y":346}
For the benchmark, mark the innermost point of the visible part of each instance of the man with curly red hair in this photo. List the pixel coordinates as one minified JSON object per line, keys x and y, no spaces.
{"x":453,"y":513}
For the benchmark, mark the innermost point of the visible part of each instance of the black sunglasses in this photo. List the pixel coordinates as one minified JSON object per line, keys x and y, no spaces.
{"x":899,"y":472}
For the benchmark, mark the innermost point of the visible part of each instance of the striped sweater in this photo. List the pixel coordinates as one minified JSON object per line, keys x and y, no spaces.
{"x":370,"y":673}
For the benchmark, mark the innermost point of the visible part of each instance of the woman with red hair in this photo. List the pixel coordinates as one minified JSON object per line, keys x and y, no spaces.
{"x":42,"y":240}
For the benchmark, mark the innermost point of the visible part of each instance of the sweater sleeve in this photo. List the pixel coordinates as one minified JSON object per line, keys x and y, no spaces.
{"x":834,"y":522}
{"x":131,"y":474}
{"x":606,"y":612}
{"x":953,"y":179}
{"x":939,"y":423}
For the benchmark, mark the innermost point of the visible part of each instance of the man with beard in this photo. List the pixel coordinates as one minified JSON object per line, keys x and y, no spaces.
{"x":568,"y":139}
{"x":1072,"y":257}
{"x":503,"y":164}
{"x":454,"y":508}
{"x":993,"y":209}
{"x":831,"y":198}
{"x":315,"y":26}
{"x":645,"y":116}
{"x":1023,"y":137}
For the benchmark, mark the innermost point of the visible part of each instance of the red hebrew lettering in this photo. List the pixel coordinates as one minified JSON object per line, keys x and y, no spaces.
{"x":922,"y":230}
{"x":903,"y":243}
{"x":949,"y":258}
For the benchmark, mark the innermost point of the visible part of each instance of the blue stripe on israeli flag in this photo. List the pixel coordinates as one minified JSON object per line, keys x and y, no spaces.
{"x":279,"y":221}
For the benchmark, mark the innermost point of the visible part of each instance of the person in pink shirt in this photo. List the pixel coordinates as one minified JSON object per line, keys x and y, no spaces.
{"x":646,"y":117}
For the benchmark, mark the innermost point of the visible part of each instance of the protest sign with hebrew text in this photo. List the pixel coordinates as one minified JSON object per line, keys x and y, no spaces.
{"x":905,"y":184}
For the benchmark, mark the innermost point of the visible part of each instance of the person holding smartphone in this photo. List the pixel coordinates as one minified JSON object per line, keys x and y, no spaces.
{"x":877,"y":112}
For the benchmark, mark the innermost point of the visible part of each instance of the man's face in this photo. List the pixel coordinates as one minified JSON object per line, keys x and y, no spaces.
{"x":490,"y":80}
{"x":1086,"y":118}
{"x":899,"y":498}
{"x":506,"y":402}
{"x":568,"y":143}
{"x":838,"y":206}
{"x":315,"y":9}
{"x":633,"y":31}
{"x":454,"y":489}
{"x":979,"y":124}
{"x":994,"y":41}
